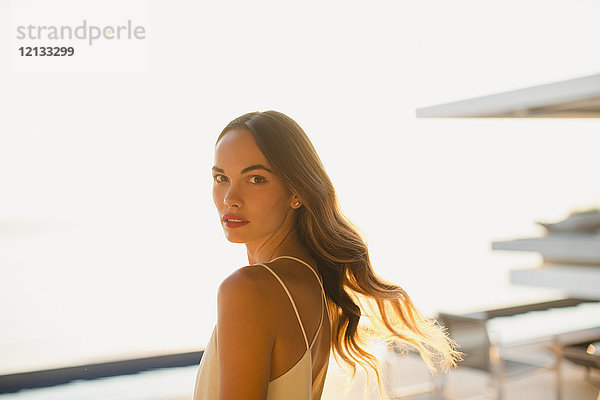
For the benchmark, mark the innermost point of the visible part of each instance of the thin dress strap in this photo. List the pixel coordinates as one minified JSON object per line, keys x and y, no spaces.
{"x":322,"y":293}
{"x":308,"y":347}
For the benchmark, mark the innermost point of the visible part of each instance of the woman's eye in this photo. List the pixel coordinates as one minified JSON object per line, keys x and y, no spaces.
{"x":257,"y":179}
{"x":219,"y":178}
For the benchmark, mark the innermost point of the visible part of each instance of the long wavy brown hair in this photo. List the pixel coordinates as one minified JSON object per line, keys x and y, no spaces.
{"x":352,"y":288}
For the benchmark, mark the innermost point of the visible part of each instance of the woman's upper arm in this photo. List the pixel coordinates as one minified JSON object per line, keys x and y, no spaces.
{"x":244,"y":336}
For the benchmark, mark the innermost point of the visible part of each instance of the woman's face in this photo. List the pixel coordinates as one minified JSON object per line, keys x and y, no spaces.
{"x":252,"y":202}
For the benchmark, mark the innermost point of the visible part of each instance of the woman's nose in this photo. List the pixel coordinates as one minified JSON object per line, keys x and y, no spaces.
{"x":232,"y":198}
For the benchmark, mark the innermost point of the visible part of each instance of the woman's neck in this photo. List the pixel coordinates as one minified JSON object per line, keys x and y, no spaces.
{"x":273,"y":247}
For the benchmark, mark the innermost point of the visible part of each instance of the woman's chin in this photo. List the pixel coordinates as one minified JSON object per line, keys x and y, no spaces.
{"x":234,"y":238}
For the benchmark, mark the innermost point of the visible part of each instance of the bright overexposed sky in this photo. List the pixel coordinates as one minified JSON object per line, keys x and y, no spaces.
{"x":109,"y":244}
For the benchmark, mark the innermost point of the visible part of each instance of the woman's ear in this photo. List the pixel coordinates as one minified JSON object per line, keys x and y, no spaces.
{"x":296,"y":202}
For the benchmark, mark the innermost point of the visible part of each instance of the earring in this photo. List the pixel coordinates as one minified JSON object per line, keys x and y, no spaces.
{"x":296,"y":204}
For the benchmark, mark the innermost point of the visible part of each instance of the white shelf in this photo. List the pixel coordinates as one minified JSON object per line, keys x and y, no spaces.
{"x":578,"y":281}
{"x":564,"y":248}
{"x":573,"y":98}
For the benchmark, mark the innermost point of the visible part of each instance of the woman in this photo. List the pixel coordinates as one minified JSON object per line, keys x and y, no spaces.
{"x":309,"y":279}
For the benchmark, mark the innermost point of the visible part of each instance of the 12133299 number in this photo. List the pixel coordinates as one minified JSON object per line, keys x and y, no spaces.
{"x":46,"y":51}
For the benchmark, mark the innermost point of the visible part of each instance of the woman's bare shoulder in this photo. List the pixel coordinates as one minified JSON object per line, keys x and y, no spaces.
{"x":245,"y":278}
{"x":248,"y":285}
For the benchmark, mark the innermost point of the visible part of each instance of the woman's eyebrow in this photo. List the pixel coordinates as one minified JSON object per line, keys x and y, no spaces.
{"x":254,"y":167}
{"x":245,"y":170}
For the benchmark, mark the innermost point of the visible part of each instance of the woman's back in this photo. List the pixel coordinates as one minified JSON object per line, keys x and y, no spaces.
{"x":300,"y":353}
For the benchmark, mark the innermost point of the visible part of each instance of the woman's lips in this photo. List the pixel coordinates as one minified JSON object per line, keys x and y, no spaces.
{"x":234,"y":221}
{"x":234,"y":224}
